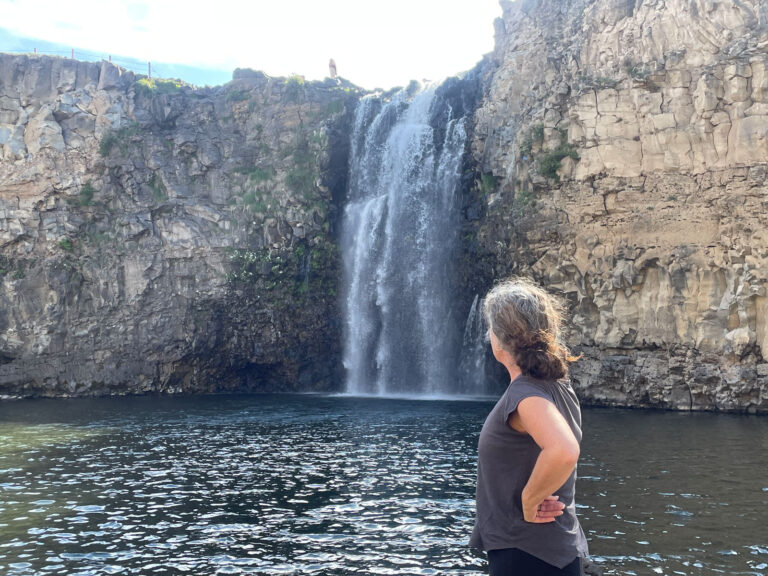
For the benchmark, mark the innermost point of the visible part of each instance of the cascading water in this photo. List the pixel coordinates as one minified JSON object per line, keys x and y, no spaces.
{"x":399,"y":242}
{"x":473,"y":344}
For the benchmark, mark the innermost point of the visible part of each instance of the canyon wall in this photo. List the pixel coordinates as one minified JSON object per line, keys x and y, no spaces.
{"x":160,"y":237}
{"x":623,"y":146}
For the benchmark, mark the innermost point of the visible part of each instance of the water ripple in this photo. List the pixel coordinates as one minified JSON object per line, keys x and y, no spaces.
{"x":297,"y":485}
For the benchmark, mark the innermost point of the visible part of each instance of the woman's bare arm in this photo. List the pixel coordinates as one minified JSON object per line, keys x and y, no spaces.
{"x":559,"y":454}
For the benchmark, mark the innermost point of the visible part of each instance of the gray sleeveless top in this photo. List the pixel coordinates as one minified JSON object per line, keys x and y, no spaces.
{"x":505,"y":462}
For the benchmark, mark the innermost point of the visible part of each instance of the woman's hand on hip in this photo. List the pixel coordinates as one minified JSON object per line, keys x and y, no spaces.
{"x":542,"y":512}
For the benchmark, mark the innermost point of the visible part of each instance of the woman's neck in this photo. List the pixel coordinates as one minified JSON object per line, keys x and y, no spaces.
{"x":513,"y":369}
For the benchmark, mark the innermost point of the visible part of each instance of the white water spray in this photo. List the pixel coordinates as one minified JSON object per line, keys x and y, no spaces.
{"x":399,"y":246}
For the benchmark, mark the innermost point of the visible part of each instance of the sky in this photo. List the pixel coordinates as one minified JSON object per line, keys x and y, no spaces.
{"x":375,"y":43}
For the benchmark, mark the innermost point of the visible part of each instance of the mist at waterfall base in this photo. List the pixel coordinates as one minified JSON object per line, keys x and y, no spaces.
{"x":405,"y":332}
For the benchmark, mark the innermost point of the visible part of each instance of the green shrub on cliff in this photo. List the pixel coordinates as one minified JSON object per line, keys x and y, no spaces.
{"x":107,"y":143}
{"x":325,"y":258}
{"x":588,"y":82}
{"x":268,"y":266}
{"x":301,"y":179}
{"x":302,"y":175}
{"x":525,"y":198}
{"x":259,"y":175}
{"x":488,"y":184}
{"x":331,"y":109}
{"x":295,"y":89}
{"x":289,"y":273}
{"x":639,"y":72}
{"x":548,"y":163}
{"x":86,"y":193}
{"x":535,"y":136}
{"x":152,"y":86}
{"x":159,"y":192}
{"x":120,"y":138}
{"x":238,"y":95}
{"x":635,"y":70}
{"x":255,"y":202}
{"x":319,"y":138}
{"x":526,"y":147}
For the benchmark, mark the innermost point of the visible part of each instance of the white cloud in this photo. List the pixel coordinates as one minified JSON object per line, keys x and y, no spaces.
{"x":374,"y":43}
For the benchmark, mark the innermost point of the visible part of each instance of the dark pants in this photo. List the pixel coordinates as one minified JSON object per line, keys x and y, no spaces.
{"x":514,"y":562}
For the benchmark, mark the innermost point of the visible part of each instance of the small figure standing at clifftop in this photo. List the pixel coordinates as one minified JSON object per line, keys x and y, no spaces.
{"x":332,"y":68}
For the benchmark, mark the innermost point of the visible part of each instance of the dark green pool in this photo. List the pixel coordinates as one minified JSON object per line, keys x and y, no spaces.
{"x":339,"y":485}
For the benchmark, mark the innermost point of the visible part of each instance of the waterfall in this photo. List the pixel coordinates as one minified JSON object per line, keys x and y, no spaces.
{"x":473,"y":348}
{"x":399,"y":235}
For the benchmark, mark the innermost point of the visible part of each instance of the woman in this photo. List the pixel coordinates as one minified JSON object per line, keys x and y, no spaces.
{"x":529,"y":444}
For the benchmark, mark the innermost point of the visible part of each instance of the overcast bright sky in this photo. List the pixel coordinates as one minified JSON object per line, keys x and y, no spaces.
{"x":375,"y":43}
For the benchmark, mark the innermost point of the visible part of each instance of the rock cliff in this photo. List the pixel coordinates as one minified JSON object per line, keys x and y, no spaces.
{"x":623,"y":152}
{"x":160,"y":237}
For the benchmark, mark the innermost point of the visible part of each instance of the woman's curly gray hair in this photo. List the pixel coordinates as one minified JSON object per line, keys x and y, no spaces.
{"x":526,"y":320}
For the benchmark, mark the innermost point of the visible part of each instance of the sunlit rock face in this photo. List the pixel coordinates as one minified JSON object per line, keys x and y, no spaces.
{"x":160,"y":237}
{"x":628,"y":143}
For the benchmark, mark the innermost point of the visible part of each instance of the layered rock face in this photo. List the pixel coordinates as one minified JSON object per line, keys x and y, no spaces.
{"x":624,"y":143}
{"x":160,"y":237}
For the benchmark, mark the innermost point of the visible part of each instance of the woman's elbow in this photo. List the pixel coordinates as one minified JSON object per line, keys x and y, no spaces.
{"x":569,"y":455}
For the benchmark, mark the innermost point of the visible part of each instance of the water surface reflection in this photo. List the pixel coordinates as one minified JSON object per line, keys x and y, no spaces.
{"x":338,"y":485}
